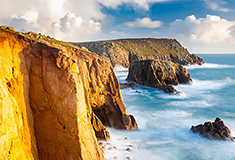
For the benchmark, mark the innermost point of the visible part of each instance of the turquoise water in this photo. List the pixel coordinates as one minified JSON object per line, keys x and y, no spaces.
{"x":165,"y":120}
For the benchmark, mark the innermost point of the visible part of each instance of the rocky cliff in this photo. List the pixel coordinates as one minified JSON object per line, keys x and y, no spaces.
{"x":158,"y":74}
{"x":55,"y":99}
{"x":125,"y":51}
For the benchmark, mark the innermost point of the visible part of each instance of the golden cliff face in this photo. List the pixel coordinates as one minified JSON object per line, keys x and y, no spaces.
{"x":54,"y":101}
{"x":17,"y":137}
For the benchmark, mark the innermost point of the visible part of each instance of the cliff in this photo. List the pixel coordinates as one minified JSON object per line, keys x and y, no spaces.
{"x":125,"y":51}
{"x":55,"y":99}
{"x":158,"y":74}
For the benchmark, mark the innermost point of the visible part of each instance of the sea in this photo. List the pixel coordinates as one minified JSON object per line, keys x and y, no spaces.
{"x":165,"y":120}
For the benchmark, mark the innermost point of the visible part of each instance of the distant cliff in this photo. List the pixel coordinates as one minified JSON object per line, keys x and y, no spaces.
{"x":125,"y":51}
{"x":55,"y":99}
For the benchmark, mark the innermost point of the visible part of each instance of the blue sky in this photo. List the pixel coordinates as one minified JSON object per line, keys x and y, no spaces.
{"x":202,"y":26}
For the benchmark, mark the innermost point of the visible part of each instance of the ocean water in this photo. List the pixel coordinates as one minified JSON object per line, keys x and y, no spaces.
{"x":165,"y":120}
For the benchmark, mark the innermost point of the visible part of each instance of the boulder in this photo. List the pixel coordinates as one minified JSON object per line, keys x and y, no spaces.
{"x":215,"y":130}
{"x":158,"y":74}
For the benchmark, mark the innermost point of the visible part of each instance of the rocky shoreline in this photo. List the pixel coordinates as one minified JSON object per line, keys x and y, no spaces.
{"x":168,"y":55}
{"x":59,"y":98}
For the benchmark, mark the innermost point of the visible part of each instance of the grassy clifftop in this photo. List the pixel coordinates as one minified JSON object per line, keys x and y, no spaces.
{"x":50,"y":41}
{"x":125,"y":51}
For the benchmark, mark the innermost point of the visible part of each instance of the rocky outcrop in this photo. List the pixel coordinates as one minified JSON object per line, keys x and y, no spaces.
{"x":216,"y":130}
{"x":100,"y":131}
{"x":158,"y":74}
{"x":128,"y":85}
{"x":55,"y":99}
{"x":126,"y":51}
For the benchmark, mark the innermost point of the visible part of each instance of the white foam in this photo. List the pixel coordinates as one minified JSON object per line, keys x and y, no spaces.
{"x":165,"y":126}
{"x":204,"y":85}
{"x":163,"y":118}
{"x":197,"y":87}
{"x":173,"y":96}
{"x":172,"y":114}
{"x":208,"y":66}
{"x":118,"y":143}
{"x":120,"y":68}
{"x":191,"y":104}
{"x":158,"y":142}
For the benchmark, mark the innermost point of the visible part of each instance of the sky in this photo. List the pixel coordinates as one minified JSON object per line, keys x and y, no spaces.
{"x":201,"y":26}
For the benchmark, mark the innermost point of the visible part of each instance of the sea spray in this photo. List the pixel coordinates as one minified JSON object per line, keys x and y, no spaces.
{"x":165,"y":120}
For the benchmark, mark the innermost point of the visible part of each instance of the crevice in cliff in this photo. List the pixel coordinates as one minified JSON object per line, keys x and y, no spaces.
{"x":9,"y":152}
{"x":63,"y":126}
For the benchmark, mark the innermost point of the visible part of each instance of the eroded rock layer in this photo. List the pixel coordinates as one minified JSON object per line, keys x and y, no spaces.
{"x":55,"y":100}
{"x":123,"y":52}
{"x":158,"y":74}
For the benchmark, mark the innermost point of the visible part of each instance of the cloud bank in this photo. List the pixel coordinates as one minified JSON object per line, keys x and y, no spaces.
{"x":211,"y":32}
{"x":83,"y":20}
{"x":74,"y":20}
{"x":72,"y":28}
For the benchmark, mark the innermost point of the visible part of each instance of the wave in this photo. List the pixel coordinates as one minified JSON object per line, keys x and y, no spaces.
{"x":198,"y":86}
{"x":173,"y":96}
{"x":208,"y":66}
{"x":191,"y":104}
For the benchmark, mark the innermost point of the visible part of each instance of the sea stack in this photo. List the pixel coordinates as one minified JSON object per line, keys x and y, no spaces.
{"x":158,"y":74}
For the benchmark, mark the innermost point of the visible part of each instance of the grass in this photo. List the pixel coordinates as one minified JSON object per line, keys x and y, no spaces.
{"x":142,"y":46}
{"x":50,"y":41}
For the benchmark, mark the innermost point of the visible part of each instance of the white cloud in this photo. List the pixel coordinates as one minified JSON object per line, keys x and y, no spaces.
{"x":75,"y":28}
{"x":216,"y":5}
{"x":211,"y":33}
{"x":50,"y":16}
{"x":144,"y":23}
{"x":26,"y":22}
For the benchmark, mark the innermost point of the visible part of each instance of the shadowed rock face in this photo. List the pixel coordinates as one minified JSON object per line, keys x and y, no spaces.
{"x":215,"y":130}
{"x":158,"y":74}
{"x":123,"y":52}
{"x":55,"y":100}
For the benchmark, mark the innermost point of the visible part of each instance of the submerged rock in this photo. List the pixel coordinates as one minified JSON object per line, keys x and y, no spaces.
{"x":128,"y":85}
{"x":158,"y":74}
{"x":215,"y":130}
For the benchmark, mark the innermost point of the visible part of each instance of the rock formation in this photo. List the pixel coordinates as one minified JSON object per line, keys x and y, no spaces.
{"x":158,"y":74}
{"x":126,"y":51}
{"x":215,"y":130}
{"x":55,"y":99}
{"x":128,"y":85}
